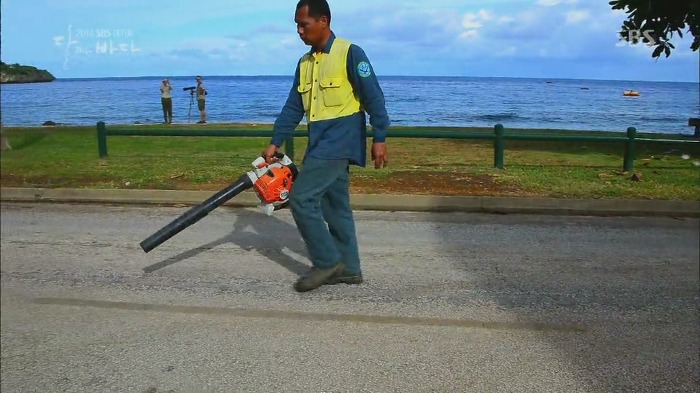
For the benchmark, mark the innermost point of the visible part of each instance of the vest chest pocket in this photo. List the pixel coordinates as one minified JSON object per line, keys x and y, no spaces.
{"x":305,"y":92}
{"x":332,"y":91}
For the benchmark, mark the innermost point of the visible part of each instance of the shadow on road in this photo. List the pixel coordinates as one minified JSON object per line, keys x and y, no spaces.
{"x":252,"y":233}
{"x":633,"y":282}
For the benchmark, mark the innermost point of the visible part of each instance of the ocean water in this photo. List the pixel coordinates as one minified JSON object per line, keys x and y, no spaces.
{"x":597,"y":105}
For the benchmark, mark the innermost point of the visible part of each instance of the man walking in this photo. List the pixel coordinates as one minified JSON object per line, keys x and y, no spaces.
{"x":334,"y":85}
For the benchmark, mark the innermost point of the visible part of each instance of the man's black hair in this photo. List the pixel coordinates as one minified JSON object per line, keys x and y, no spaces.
{"x":317,"y":8}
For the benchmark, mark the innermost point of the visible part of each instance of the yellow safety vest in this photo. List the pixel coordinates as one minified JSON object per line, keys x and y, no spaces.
{"x":324,"y":85}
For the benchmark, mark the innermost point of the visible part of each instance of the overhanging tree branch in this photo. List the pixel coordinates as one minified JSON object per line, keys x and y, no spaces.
{"x":655,"y":22}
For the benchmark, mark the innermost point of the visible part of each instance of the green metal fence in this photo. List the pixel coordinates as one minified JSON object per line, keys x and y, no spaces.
{"x":499,"y":136}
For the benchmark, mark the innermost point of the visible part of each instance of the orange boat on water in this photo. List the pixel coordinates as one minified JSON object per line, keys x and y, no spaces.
{"x":630,"y":93}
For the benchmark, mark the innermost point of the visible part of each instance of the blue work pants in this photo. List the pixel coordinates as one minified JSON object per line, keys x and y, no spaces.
{"x":320,"y":205}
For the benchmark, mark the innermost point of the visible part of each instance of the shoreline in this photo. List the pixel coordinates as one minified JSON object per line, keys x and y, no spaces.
{"x":264,"y":126}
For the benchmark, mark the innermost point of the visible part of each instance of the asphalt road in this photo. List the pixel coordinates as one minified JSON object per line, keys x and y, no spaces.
{"x":451,"y":302}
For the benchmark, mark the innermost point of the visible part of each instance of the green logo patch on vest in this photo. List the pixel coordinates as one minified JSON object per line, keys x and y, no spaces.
{"x":363,"y":69}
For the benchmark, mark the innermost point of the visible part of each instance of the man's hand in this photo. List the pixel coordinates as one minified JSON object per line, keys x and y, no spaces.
{"x":269,"y":153}
{"x":379,"y":155}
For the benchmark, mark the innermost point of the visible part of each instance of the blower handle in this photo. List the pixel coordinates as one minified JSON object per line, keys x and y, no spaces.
{"x":278,"y":155}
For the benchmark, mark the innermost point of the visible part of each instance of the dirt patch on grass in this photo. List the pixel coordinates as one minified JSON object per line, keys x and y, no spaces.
{"x":434,"y":183}
{"x":404,"y":182}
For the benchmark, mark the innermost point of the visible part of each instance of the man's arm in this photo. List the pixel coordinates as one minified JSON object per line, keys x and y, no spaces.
{"x":291,"y":115}
{"x":364,"y":80}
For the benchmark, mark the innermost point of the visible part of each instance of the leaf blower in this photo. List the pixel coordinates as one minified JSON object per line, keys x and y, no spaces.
{"x":272,"y":184}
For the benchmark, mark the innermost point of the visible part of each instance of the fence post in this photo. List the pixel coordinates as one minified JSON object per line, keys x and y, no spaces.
{"x":498,"y":147}
{"x":289,"y":147}
{"x":101,"y":139}
{"x":628,"y":163}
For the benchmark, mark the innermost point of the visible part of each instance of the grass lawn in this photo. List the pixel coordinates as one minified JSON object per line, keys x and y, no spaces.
{"x":68,"y":157}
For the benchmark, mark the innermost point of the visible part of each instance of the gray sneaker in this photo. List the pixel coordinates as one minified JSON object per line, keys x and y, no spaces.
{"x":316,"y":277}
{"x":344,"y":277}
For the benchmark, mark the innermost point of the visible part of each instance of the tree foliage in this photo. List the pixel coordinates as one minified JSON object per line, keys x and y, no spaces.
{"x":24,"y":70}
{"x":660,"y":19}
{"x":18,"y":69}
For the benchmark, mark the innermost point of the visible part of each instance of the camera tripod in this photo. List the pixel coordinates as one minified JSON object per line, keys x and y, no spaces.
{"x":189,"y":111}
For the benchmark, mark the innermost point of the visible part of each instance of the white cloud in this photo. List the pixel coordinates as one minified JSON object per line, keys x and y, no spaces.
{"x":468,"y":34}
{"x":549,"y":3}
{"x":473,"y":20}
{"x":577,"y":16}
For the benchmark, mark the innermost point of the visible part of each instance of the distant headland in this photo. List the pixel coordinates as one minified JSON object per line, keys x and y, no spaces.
{"x":16,"y":73}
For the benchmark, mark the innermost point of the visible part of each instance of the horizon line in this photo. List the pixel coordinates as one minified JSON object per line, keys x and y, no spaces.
{"x":381,"y":76}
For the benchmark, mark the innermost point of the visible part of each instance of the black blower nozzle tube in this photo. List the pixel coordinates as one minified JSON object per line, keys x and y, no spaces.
{"x":196,"y":213}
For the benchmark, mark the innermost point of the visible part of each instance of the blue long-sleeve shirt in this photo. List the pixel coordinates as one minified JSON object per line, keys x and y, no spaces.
{"x":344,"y":137}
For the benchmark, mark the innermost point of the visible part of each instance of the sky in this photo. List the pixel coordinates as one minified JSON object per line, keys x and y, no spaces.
{"x":496,"y":38}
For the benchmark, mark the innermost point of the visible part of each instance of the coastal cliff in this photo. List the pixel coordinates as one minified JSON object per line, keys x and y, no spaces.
{"x":16,"y":73}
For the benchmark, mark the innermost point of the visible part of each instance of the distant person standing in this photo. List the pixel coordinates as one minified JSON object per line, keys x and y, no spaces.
{"x":201,"y":100}
{"x":166,"y":101}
